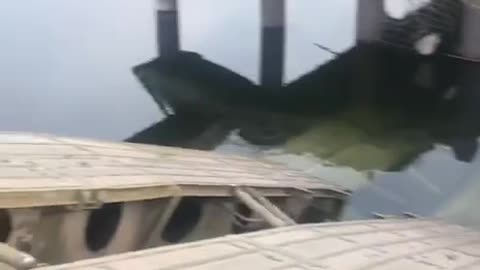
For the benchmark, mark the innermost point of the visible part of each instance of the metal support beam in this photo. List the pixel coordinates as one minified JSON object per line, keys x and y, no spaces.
{"x":272,"y":42}
{"x":270,"y":206}
{"x":260,"y":209}
{"x":167,"y":27}
{"x":161,"y":219}
{"x":370,"y":19}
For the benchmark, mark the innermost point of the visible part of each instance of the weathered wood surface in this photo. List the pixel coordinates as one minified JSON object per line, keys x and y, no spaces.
{"x":387,"y":244}
{"x":42,"y":170}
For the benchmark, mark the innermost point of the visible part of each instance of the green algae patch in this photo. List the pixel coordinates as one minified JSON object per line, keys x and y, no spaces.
{"x":387,"y":152}
{"x":326,"y":138}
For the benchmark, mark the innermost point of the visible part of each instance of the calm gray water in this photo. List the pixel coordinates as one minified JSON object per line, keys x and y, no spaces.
{"x":65,"y":65}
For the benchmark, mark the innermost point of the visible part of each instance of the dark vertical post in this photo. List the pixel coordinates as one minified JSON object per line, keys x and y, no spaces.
{"x":272,"y":42}
{"x":167,"y":27}
{"x":370,"y":19}
{"x":470,"y":32}
{"x":465,"y":125}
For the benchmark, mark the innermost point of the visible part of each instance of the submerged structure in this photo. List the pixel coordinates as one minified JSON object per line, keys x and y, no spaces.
{"x":66,"y":199}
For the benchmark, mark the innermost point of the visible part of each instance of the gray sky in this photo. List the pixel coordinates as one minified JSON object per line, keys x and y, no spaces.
{"x":66,"y":64}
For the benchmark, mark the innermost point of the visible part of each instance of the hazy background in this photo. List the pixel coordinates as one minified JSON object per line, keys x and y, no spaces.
{"x":65,"y":65}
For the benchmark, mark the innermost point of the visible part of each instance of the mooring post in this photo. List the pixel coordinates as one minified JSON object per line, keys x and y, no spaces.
{"x":167,"y":27}
{"x":370,"y":20}
{"x":273,"y":42}
{"x":468,"y":82}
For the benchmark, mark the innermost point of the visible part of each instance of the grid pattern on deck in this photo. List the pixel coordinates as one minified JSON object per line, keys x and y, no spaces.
{"x":43,"y":163}
{"x":391,"y":244}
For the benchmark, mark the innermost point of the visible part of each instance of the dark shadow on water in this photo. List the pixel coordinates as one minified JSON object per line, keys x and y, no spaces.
{"x":183,"y":130}
{"x":385,"y":92}
{"x":435,"y":97}
{"x":434,"y":94}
